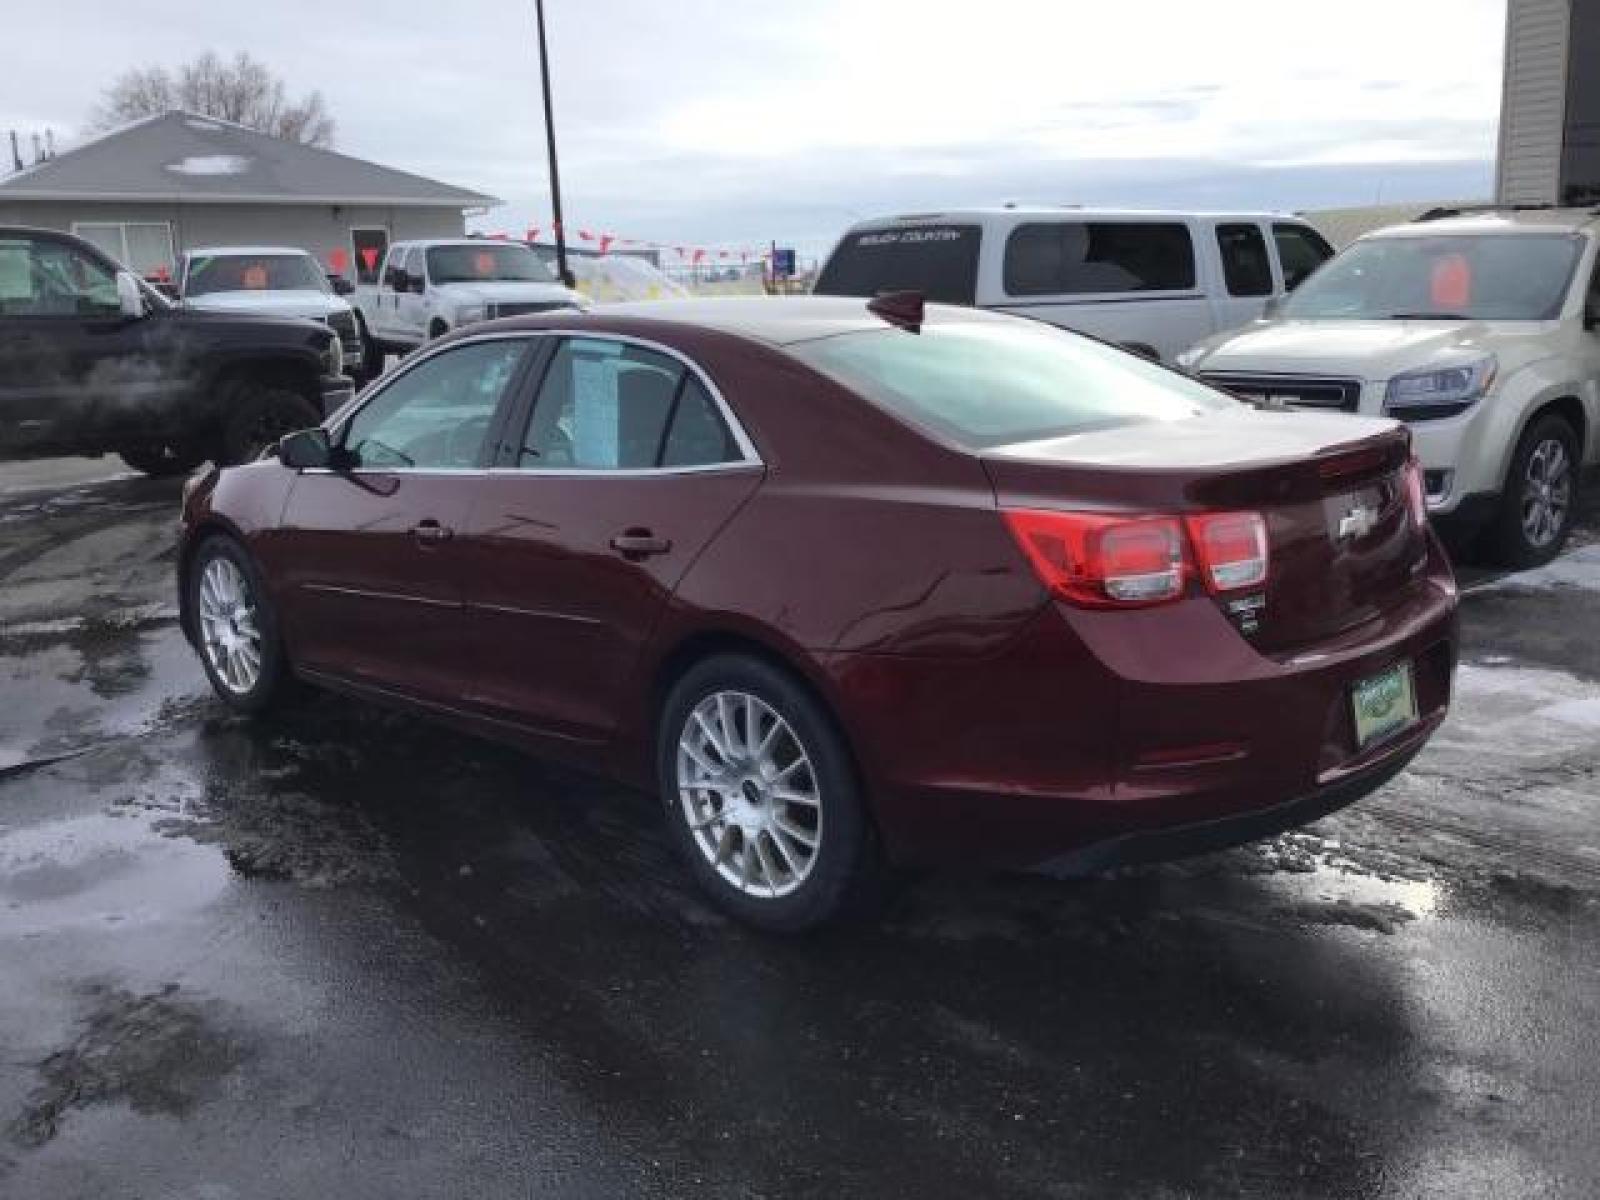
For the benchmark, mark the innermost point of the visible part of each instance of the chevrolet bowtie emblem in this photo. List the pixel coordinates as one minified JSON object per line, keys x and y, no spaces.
{"x":1357,"y":523}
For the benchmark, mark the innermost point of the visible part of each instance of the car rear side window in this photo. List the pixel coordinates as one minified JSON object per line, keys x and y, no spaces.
{"x":1074,"y":258}
{"x":614,"y":406}
{"x":1300,"y":251}
{"x":1245,"y":266}
{"x":982,"y":384}
{"x":940,"y":261}
{"x":46,"y":278}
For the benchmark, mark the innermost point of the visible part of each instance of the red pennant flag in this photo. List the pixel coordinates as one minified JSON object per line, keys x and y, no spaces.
{"x":339,"y":260}
{"x":533,"y":233}
{"x":698,"y":255}
{"x":605,"y":242}
{"x":369,"y":255}
{"x":586,"y":235}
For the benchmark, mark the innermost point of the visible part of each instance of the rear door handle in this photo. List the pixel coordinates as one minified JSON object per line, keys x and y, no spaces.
{"x":639,"y":543}
{"x":431,"y":533}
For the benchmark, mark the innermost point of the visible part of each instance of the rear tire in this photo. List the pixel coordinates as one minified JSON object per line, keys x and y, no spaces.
{"x":236,"y":628}
{"x":762,"y":799}
{"x":1540,"y":497}
{"x":258,"y":415}
{"x":163,"y":461}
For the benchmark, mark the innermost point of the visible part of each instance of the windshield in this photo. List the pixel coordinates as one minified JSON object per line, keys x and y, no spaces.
{"x":254,"y":273}
{"x":485,"y":263}
{"x":1489,"y":277}
{"x":993,"y":384}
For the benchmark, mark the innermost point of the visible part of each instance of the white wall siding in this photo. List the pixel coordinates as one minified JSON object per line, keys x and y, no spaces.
{"x":1533,"y":102}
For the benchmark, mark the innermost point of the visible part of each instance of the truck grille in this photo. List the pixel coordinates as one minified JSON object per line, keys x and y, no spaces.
{"x":524,"y":309}
{"x":344,"y":324}
{"x":1290,"y":391}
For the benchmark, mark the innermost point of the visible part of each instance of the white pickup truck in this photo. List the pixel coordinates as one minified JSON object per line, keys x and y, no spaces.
{"x":427,"y":288}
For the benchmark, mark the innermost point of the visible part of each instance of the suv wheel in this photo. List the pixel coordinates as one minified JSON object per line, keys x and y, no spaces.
{"x":162,"y":461}
{"x":258,"y":415}
{"x":761,"y":797}
{"x":1540,"y":496}
{"x":235,"y":627}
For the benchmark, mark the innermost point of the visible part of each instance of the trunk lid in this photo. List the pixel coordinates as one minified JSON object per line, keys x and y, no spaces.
{"x":1342,"y":544}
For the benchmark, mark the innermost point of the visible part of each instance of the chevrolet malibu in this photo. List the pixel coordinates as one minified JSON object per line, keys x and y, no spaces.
{"x":850,"y":584}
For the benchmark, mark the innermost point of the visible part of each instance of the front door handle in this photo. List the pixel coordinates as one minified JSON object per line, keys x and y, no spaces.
{"x":639,"y":543}
{"x":431,"y":533}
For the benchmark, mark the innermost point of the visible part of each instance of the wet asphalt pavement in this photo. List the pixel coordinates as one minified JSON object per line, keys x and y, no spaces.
{"x":350,"y":954}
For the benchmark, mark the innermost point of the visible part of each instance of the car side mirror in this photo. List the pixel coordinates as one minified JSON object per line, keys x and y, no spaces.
{"x":130,"y":296}
{"x":305,"y":448}
{"x":341,"y":285}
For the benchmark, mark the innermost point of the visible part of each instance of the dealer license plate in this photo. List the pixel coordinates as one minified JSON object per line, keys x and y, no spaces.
{"x":1383,"y":703}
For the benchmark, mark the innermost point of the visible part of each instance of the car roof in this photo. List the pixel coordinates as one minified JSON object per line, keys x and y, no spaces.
{"x":776,"y":320}
{"x":426,"y":243}
{"x":222,"y":251}
{"x":1066,"y":212}
{"x":1495,"y":221}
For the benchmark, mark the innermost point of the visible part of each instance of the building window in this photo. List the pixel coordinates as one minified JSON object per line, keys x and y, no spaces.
{"x":144,"y":247}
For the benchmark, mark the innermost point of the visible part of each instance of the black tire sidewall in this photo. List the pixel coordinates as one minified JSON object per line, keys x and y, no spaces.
{"x":162,"y":462}
{"x":274,"y":681}
{"x":251,"y":402}
{"x":1507,"y":543}
{"x":847,"y":866}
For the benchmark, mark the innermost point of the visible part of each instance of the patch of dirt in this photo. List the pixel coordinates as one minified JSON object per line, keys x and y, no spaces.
{"x":156,"y":1053}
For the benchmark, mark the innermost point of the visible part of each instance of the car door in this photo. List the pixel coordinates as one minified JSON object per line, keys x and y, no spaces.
{"x":73,"y":366}
{"x":628,"y":465}
{"x":413,"y":302}
{"x":386,"y":311}
{"x":1245,"y":282}
{"x":370,"y":554}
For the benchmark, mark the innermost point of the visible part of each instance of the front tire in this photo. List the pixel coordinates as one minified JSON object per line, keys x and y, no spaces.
{"x":236,"y":627}
{"x":162,"y":461}
{"x":1540,"y":497}
{"x":260,"y":414}
{"x":762,"y":798}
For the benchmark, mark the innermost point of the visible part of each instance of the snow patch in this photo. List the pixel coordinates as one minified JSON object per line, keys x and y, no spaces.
{"x":1584,"y":712}
{"x":1580,"y":569}
{"x":211,"y":164}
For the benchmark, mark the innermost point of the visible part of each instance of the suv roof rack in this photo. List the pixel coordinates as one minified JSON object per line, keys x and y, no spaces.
{"x":1462,"y":210}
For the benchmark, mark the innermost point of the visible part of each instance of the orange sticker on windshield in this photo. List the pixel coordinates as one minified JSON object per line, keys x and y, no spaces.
{"x":1451,"y":286}
{"x":255,"y":278}
{"x":484,"y":263}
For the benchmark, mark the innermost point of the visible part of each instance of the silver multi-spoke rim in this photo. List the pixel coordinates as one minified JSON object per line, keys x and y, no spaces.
{"x":1546,"y":492}
{"x":228,"y":626}
{"x":749,"y":794}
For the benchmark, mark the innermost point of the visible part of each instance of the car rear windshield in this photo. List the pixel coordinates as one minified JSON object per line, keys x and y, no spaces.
{"x":940,"y":261}
{"x":986,"y":384}
{"x":1484,"y":277}
{"x":489,"y":262}
{"x":254,"y":273}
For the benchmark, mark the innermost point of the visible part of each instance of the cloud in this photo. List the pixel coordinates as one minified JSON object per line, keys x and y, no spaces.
{"x":704,"y":122}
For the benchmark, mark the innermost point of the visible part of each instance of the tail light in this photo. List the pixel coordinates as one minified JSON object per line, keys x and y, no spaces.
{"x":1231,"y":549}
{"x":1416,"y":493}
{"x":1100,"y":561}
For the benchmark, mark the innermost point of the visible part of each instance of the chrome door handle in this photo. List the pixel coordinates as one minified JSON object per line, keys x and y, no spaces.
{"x":431,"y":533}
{"x":640,"y":543}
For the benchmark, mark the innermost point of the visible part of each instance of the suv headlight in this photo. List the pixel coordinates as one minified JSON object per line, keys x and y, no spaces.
{"x":468,"y":313}
{"x":1443,"y":392}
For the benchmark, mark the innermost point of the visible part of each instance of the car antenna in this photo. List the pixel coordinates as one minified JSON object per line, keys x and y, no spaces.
{"x":904,"y":309}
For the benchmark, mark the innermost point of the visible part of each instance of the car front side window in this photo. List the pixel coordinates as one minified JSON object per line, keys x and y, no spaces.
{"x":45,"y":278}
{"x":436,"y":415}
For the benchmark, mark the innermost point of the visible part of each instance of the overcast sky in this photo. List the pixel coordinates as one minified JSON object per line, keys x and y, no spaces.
{"x":725,"y":123}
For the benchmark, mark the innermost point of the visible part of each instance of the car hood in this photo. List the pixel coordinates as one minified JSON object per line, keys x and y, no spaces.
{"x":507,"y":292}
{"x":308,"y":303}
{"x":1364,"y":349}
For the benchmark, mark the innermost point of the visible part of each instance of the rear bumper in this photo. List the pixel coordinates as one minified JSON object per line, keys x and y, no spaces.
{"x":1150,"y":731}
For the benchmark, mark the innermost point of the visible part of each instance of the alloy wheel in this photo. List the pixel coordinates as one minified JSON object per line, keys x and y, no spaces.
{"x":749,"y":793}
{"x":228,"y":627}
{"x":1546,"y":492}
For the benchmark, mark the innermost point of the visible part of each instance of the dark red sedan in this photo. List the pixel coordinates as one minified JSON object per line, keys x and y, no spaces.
{"x":849,"y":584}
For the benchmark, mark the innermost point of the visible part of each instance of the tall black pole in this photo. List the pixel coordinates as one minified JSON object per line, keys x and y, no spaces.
{"x":550,"y":141}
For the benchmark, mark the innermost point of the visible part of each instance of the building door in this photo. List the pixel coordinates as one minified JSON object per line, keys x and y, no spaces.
{"x":368,"y":245}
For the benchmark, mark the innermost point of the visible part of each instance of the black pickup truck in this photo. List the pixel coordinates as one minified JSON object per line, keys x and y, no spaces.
{"x":93,"y":361}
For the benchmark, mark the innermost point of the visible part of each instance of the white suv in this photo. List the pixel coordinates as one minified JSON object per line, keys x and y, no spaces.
{"x":1476,"y":329}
